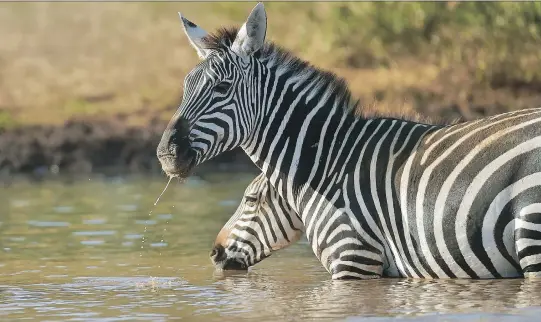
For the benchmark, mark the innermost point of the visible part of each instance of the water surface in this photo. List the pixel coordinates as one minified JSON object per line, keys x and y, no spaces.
{"x":89,"y":251}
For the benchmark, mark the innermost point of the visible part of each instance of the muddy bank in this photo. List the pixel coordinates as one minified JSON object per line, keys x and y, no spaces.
{"x":81,"y":147}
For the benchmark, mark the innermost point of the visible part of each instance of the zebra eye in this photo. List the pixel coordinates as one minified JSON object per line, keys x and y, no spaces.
{"x":251,"y":201}
{"x":222,"y":87}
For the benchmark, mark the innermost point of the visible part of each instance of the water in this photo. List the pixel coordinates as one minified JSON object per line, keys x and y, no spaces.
{"x":73,"y":252}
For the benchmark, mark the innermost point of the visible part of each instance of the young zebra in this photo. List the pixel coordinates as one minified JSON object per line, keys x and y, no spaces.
{"x":459,"y":201}
{"x":263,"y":223}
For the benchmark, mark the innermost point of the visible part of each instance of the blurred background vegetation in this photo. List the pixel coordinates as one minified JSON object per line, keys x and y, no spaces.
{"x":70,"y":60}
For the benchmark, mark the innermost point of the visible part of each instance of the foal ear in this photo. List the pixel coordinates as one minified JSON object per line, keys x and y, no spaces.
{"x":195,"y":35}
{"x":251,"y":35}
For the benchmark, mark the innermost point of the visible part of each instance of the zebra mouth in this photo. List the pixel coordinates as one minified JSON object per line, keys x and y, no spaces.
{"x":218,"y":257}
{"x":176,"y":167}
{"x":229,"y":265}
{"x":233,"y":265}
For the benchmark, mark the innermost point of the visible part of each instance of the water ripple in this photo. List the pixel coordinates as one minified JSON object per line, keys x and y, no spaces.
{"x":128,"y":208}
{"x":229,"y":203}
{"x":94,"y":221}
{"x":92,"y":242}
{"x":145,"y":222}
{"x":48,"y":223}
{"x":63,"y":209}
{"x":95,"y":233}
{"x":133,"y":236}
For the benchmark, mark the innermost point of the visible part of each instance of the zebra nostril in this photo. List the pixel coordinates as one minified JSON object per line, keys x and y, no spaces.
{"x":217,"y":253}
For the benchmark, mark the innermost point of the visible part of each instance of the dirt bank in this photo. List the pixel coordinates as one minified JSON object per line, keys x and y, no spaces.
{"x":89,"y":146}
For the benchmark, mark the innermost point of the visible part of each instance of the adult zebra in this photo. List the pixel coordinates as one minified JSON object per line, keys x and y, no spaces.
{"x":441,"y":201}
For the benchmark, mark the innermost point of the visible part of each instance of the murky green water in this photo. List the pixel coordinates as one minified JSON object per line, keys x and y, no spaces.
{"x":73,"y":252}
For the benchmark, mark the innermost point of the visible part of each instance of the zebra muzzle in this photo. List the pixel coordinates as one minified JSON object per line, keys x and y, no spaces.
{"x":218,"y":254}
{"x":175,"y":154}
{"x":219,"y":258}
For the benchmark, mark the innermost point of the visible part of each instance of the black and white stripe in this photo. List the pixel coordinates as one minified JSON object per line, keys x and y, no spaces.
{"x":377,"y":196}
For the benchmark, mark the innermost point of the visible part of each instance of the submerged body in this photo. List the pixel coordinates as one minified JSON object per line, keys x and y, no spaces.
{"x":375,"y":196}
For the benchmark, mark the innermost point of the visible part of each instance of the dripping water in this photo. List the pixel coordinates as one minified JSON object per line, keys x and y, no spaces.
{"x":150,"y":214}
{"x":164,"y":232}
{"x":161,"y":194}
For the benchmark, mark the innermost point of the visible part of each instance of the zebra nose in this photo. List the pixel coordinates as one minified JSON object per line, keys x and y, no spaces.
{"x":175,"y":139}
{"x":172,"y":143}
{"x":218,"y":254}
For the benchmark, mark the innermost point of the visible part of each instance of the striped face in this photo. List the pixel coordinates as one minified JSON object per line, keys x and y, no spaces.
{"x":220,"y":103}
{"x":263,"y":223}
{"x":216,"y":108}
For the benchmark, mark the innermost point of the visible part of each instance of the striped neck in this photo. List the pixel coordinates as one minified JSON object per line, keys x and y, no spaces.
{"x":304,"y":117}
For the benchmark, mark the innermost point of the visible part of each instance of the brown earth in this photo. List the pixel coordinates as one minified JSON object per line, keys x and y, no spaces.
{"x":82,"y":147}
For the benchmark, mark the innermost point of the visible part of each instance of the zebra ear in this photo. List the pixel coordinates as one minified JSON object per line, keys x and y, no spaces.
{"x":195,"y":35}
{"x":251,"y":35}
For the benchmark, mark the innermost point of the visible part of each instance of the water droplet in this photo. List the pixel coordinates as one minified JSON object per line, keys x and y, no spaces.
{"x":55,"y":169}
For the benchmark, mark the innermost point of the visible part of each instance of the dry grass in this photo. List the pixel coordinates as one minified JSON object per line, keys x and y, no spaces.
{"x":64,"y":60}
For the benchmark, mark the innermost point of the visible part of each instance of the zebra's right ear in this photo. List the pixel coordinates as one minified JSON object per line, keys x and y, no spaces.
{"x":195,"y":35}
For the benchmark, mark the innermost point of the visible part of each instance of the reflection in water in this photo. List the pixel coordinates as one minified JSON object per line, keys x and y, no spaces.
{"x":74,"y":253}
{"x":385,"y":297}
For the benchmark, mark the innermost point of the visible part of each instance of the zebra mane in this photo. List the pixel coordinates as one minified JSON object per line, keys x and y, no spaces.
{"x":284,"y":60}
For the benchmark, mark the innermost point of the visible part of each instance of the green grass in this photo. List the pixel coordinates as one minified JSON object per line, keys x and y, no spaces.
{"x":64,"y":60}
{"x":6,"y":120}
{"x":498,"y":41}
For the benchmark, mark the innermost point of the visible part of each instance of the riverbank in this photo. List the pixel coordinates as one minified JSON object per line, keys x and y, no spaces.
{"x":83,"y":147}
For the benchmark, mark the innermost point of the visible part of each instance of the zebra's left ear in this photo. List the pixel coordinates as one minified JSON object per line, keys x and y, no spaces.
{"x":251,"y":35}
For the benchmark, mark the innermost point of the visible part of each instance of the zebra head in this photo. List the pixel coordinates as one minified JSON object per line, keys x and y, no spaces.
{"x":263,"y":223}
{"x":220,"y":96}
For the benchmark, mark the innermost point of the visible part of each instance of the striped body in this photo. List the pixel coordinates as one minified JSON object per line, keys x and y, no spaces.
{"x":435,"y":210}
{"x":376,"y":196}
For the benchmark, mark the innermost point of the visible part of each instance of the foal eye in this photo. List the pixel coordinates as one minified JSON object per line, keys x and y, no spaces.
{"x":251,"y":201}
{"x":222,"y":87}
{"x":251,"y":204}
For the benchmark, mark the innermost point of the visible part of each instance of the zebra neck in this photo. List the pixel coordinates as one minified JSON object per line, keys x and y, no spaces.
{"x":309,"y":135}
{"x":301,"y":125}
